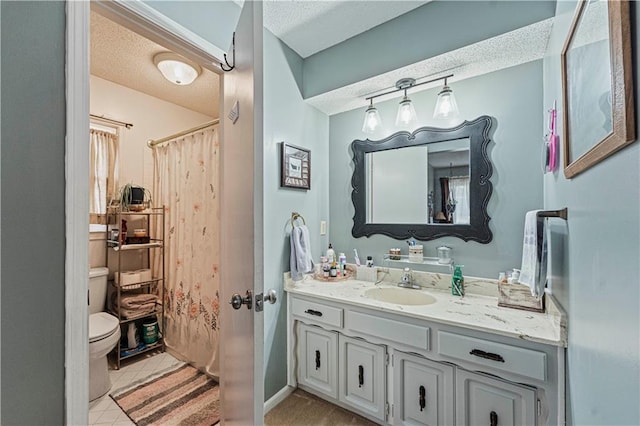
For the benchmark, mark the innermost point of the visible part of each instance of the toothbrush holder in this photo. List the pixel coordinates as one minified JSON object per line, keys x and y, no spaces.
{"x":416,"y":253}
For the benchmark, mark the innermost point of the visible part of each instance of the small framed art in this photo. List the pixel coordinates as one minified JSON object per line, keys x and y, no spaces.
{"x":295,"y":166}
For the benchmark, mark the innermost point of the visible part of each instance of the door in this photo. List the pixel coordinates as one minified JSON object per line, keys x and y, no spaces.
{"x":241,"y":331}
{"x":362,"y":370}
{"x":482,"y":400}
{"x":423,"y":391}
{"x":318,"y":358}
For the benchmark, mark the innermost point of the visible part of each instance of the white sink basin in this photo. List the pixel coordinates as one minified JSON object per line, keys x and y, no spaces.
{"x":400,"y":296}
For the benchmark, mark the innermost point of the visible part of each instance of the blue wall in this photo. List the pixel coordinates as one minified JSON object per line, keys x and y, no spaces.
{"x":33,"y":221}
{"x":596,"y":266}
{"x":513,"y":97}
{"x":287,"y":118}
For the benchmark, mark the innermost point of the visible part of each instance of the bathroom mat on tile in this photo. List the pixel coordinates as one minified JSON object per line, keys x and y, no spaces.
{"x":181,"y":395}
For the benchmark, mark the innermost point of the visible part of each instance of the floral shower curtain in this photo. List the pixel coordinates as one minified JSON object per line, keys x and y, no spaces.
{"x":186,"y":182}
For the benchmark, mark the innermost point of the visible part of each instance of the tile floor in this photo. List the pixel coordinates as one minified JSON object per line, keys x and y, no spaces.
{"x":103,"y":411}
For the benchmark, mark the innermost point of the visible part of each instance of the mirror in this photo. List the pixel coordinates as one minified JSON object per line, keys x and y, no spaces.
{"x":597,"y":85}
{"x":427,"y":184}
{"x":434,"y":178}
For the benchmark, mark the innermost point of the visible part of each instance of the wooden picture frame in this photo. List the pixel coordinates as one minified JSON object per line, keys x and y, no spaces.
{"x":295,"y":166}
{"x":595,"y":127}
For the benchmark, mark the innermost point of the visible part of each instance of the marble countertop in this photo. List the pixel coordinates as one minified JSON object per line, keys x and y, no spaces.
{"x":477,"y":310}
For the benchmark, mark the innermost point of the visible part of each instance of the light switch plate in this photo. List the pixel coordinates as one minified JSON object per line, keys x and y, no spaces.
{"x":323,"y":227}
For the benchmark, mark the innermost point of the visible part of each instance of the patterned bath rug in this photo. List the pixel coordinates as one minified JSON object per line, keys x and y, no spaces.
{"x":181,"y":395}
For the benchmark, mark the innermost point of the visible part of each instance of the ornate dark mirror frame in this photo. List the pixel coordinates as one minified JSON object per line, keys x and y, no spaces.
{"x":478,"y":132}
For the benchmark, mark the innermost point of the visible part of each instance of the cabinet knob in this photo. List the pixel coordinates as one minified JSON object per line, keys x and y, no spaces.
{"x":493,"y":419}
{"x":360,"y":376}
{"x":317,"y":360}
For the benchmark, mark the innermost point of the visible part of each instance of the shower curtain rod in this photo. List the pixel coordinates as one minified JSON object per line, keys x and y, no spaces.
{"x":151,"y":143}
{"x":111,"y":121}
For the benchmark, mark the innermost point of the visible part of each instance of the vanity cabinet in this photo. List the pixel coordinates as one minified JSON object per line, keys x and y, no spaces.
{"x":318,"y":356}
{"x":402,"y":370}
{"x":483,"y":400}
{"x":362,"y":371}
{"x":422,"y":391}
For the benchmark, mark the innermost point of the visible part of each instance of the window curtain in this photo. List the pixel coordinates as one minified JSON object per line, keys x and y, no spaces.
{"x":459,"y":188}
{"x":186,"y":182}
{"x":103,"y":184}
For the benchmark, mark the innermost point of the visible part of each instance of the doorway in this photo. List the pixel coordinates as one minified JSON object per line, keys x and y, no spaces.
{"x":139,"y":16}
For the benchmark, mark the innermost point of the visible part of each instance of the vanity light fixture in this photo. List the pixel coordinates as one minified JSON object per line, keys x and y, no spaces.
{"x":371,"y":119}
{"x":446,"y":106}
{"x":177,"y":69}
{"x":406,"y":115}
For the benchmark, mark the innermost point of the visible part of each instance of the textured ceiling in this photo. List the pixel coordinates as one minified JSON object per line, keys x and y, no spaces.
{"x":311,"y":26}
{"x":507,"y":50}
{"x":126,"y":58}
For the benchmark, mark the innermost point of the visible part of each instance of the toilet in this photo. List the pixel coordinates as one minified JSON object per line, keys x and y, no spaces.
{"x":104,"y":333}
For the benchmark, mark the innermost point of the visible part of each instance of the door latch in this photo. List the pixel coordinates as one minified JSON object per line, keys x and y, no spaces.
{"x":237,"y":301}
{"x":270,"y":297}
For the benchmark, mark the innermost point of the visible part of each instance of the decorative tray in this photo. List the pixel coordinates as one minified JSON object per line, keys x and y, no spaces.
{"x":320,"y":277}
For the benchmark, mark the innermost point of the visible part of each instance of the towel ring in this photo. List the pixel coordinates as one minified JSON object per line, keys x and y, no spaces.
{"x":295,"y":216}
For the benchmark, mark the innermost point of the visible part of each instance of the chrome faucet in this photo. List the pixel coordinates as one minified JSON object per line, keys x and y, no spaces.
{"x":407,"y":280}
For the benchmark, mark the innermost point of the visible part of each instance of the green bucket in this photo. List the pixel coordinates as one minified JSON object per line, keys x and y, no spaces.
{"x":150,"y":332}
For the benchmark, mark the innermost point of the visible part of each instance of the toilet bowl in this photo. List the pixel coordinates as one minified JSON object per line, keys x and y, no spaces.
{"x":104,"y":334}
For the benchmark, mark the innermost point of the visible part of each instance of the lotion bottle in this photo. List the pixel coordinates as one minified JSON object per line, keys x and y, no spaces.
{"x":331,"y":254}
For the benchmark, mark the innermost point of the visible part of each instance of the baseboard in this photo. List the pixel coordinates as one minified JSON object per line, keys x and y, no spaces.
{"x":278,"y":398}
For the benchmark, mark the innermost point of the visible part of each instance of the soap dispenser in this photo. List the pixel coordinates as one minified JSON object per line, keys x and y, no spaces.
{"x":457,"y":281}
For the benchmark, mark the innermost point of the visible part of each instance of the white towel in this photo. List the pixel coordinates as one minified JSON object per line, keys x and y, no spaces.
{"x":533,"y":272}
{"x":301,"y":261}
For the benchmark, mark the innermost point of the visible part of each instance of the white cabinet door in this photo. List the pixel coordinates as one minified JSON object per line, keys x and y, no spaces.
{"x":317,"y":355}
{"x":363,"y":376}
{"x":423,"y":391}
{"x":482,"y":400}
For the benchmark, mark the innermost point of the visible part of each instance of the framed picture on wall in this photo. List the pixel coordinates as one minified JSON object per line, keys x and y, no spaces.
{"x":295,"y":163}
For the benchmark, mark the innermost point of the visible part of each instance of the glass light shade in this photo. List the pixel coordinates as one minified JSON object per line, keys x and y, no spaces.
{"x":371,"y":120}
{"x":176,"y":69}
{"x":446,"y":106}
{"x":406,"y":113}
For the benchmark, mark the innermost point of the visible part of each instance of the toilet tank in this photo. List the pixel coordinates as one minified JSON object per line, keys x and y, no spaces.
{"x":97,"y":289}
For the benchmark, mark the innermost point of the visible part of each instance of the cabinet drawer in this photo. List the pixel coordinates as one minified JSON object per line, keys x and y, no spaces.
{"x":317,"y":312}
{"x":512,"y":359}
{"x":410,"y":335}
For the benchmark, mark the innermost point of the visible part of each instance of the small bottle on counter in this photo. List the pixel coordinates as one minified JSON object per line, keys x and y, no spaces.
{"x":333,"y":272}
{"x":331,"y":254}
{"x":457,"y":281}
{"x":342,"y":259}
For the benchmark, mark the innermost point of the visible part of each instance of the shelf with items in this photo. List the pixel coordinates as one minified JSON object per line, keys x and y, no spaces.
{"x":142,"y":348}
{"x":117,"y":246}
{"x":402,"y":258}
{"x":136,"y":285}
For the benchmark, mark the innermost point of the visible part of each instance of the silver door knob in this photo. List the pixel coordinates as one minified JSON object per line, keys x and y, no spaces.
{"x":271,"y":296}
{"x":237,"y":301}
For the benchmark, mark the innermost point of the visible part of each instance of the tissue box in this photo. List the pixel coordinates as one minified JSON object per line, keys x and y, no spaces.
{"x":365,"y":273}
{"x":518,"y":296}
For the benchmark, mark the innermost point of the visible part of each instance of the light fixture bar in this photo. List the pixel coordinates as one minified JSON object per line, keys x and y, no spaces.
{"x":410,"y":87}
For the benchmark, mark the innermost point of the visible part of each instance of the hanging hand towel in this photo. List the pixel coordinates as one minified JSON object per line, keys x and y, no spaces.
{"x":533,"y":271}
{"x":301,"y":261}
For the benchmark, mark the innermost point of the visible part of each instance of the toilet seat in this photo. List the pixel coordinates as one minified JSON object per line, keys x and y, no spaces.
{"x":101,"y":326}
